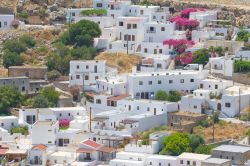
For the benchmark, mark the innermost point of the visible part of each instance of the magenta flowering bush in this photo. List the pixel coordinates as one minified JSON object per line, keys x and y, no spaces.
{"x":64,"y":123}
{"x":179,"y":45}
{"x":184,"y":59}
{"x":185,"y":22}
{"x":186,"y":12}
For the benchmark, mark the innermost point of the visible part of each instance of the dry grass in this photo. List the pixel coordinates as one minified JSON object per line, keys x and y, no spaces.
{"x":123,"y":62}
{"x":3,"y":72}
{"x":223,"y":131}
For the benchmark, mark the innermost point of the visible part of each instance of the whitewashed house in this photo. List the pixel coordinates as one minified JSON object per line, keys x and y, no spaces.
{"x":38,"y":155}
{"x":85,"y":73}
{"x":187,"y":159}
{"x":44,"y":132}
{"x":8,"y":122}
{"x":6,"y":17}
{"x":234,"y":100}
{"x":204,"y":16}
{"x":145,"y":85}
{"x":207,"y":98}
{"x":222,"y":66}
{"x":157,"y":160}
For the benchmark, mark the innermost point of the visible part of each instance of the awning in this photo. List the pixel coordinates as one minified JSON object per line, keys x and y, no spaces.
{"x":116,"y":98}
{"x":106,"y":149}
{"x":84,"y":150}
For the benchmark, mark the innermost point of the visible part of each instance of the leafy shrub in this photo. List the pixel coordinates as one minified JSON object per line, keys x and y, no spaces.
{"x":91,"y":12}
{"x":20,"y":129}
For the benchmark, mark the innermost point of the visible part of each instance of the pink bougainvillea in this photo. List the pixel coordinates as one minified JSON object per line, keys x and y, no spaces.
{"x":184,"y":59}
{"x":179,"y":45}
{"x":186,"y":12}
{"x":64,"y":123}
{"x":188,"y":23}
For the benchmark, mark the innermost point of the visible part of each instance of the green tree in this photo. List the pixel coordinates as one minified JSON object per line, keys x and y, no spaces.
{"x":176,"y":144}
{"x":28,"y":41}
{"x":12,"y":59}
{"x":40,"y":102}
{"x":174,"y":96}
{"x":161,"y":95}
{"x":61,"y":64}
{"x":243,"y":35}
{"x":53,"y":75}
{"x":195,"y":141}
{"x":14,"y":45}
{"x":85,"y":53}
{"x":204,"y":149}
{"x":24,"y":130}
{"x":81,"y":33}
{"x":201,"y":56}
{"x":9,"y":97}
{"x":51,"y":95}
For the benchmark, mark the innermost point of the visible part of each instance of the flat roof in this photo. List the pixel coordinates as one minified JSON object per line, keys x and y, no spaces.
{"x":193,"y":156}
{"x":164,"y":73}
{"x":8,"y":117}
{"x":216,"y":161}
{"x":184,"y":113}
{"x":232,"y":148}
{"x":162,"y":157}
{"x":11,"y":78}
{"x":5,"y":11}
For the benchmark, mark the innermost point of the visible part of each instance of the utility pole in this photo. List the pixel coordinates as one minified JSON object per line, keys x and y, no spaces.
{"x":90,"y":117}
{"x":127,"y":44}
{"x":239,"y":102}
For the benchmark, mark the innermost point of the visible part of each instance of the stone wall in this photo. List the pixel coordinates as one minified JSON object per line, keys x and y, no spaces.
{"x":31,"y":72}
{"x":241,"y":78}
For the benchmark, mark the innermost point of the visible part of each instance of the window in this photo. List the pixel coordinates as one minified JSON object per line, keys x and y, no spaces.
{"x":188,"y":162}
{"x":155,"y":51}
{"x":87,"y":67}
{"x":73,"y":14}
{"x":150,"y":163}
{"x":121,"y":23}
{"x":194,"y":163}
{"x":125,"y":37}
{"x":148,"y":109}
{"x":160,"y":51}
{"x":86,"y":77}
{"x":96,"y":77}
{"x":77,"y":76}
{"x":23,"y":88}
{"x":145,"y":50}
{"x":129,"y":107}
{"x":170,"y":81}
{"x":182,"y":81}
{"x":68,"y":114}
{"x":99,"y":5}
{"x":159,"y":81}
{"x":60,"y":114}
{"x":181,"y":161}
{"x":195,"y":106}
{"x":201,"y":86}
{"x":128,"y":26}
{"x":98,"y":101}
{"x":216,"y":87}
{"x":150,"y":82}
{"x":5,"y":23}
{"x":162,"y":28}
{"x":138,"y":107}
{"x":2,"y":124}
{"x":140,"y":83}
{"x":192,"y":80}
{"x":133,"y":37}
{"x":134,"y":26}
{"x":77,"y":66}
{"x":159,"y":164}
{"x":141,"y":12}
{"x":228,"y":105}
{"x":169,"y":164}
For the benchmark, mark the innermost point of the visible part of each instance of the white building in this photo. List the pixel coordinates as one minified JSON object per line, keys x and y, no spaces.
{"x":204,"y":16}
{"x":44,"y":132}
{"x":145,"y":85}
{"x":157,"y":160}
{"x":187,"y":159}
{"x":222,"y":66}
{"x":234,"y":100}
{"x":38,"y":155}
{"x":8,"y":122}
{"x":6,"y":17}
{"x":245,"y":55}
{"x":85,"y":73}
